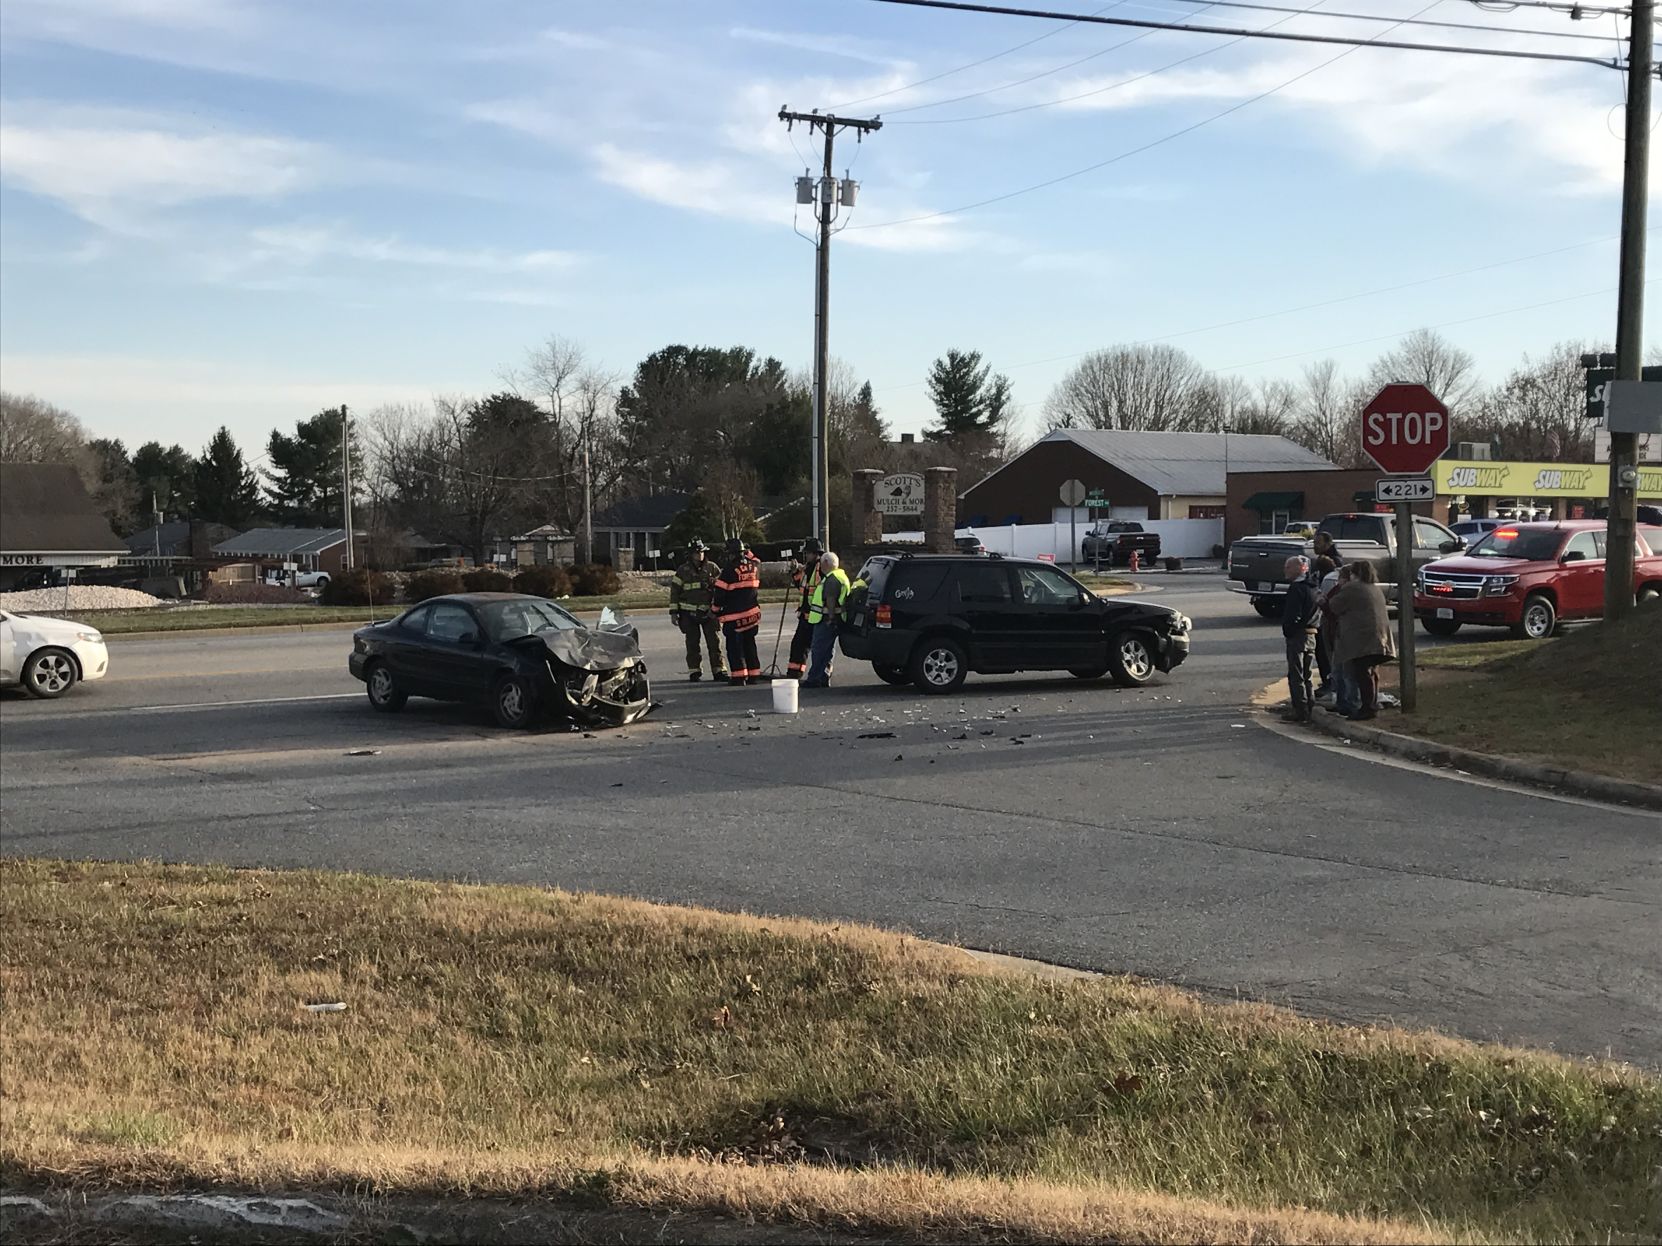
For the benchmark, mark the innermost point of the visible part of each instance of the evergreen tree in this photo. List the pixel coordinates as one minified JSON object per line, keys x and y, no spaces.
{"x":166,"y":479}
{"x":967,"y":398}
{"x":227,"y":491}
{"x":305,"y":472}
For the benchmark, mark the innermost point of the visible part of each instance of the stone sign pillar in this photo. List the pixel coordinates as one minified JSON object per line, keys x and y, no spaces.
{"x":868,"y":524}
{"x":940,"y":509}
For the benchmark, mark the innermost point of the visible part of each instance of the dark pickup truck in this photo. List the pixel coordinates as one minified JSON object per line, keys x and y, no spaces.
{"x":1112,"y":541}
{"x":1257,"y":564}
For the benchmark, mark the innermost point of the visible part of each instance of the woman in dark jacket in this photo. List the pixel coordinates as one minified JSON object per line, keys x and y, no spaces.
{"x":1364,"y":634}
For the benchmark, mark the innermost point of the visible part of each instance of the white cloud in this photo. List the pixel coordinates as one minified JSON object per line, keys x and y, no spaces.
{"x":820,"y":45}
{"x":106,"y":165}
{"x":310,"y":243}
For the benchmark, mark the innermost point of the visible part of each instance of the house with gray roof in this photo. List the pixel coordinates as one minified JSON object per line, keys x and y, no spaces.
{"x":49,"y":524}
{"x":1140,"y":475}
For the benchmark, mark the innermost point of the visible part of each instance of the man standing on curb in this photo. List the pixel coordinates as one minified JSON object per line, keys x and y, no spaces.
{"x":736,"y":597}
{"x":824,"y":609}
{"x":1298,"y":626}
{"x":805,"y":579}
{"x":689,"y":609}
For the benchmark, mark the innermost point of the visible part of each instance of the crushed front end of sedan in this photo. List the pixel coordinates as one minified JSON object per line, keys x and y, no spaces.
{"x":598,"y":678}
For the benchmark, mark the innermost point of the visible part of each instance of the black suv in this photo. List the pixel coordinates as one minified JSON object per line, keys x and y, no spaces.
{"x":931,"y":619}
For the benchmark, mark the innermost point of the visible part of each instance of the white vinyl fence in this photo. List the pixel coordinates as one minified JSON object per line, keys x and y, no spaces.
{"x":1179,"y":538}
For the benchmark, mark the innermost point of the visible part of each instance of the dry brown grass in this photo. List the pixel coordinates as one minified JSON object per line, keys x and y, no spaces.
{"x":511,"y":1041}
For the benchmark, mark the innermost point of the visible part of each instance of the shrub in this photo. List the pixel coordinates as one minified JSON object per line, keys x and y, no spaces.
{"x":549,"y":581}
{"x":424,"y":584}
{"x":252,"y":593}
{"x":486,"y":580}
{"x":778,"y":575}
{"x":594,"y":580}
{"x":357,"y":588}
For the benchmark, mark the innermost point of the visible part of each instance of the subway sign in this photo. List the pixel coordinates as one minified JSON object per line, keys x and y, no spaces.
{"x":1535,"y":480}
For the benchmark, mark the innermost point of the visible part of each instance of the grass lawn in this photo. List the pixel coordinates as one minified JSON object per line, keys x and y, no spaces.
{"x":1590,"y":700}
{"x":501,"y":1040}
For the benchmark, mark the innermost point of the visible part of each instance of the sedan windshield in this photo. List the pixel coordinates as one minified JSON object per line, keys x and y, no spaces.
{"x":509,"y":620}
{"x":1539,"y":545}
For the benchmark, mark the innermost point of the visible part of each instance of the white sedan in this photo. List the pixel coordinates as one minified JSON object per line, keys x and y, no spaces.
{"x":47,"y":656}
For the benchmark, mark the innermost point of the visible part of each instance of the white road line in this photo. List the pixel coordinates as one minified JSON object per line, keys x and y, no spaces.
{"x":214,"y":705}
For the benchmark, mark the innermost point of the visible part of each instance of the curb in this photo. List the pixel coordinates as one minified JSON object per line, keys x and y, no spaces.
{"x":262,"y":629}
{"x":1534,"y":774}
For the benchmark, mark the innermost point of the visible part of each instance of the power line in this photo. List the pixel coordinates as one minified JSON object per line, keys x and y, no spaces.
{"x":1507,"y":6}
{"x":1386,"y":18}
{"x":1304,"y":307}
{"x":1289,"y":36}
{"x":947,"y":73}
{"x":1125,"y":155}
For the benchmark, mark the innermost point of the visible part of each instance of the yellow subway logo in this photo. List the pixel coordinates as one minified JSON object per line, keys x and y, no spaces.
{"x":1564,"y":478}
{"x":1477,"y":477}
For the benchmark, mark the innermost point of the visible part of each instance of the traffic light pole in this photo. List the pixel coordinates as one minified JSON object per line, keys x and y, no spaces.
{"x":1630,"y":312}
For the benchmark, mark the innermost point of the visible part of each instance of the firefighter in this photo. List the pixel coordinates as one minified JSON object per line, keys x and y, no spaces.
{"x":737,"y":604}
{"x":805,"y":579}
{"x":689,"y":610}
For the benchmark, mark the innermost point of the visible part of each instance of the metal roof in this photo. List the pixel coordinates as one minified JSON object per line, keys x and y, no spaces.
{"x":1178,"y":464}
{"x":281,"y":542}
{"x":45,"y":509}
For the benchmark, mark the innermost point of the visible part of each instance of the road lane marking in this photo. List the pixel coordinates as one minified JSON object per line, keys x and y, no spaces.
{"x":216,"y":705}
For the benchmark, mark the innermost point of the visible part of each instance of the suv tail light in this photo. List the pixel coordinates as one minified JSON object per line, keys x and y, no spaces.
{"x":885,"y":616}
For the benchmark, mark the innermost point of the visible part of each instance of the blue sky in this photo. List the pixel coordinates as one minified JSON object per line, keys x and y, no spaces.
{"x":217,"y":211}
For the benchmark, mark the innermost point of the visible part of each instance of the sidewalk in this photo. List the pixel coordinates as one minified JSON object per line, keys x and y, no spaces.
{"x":1412,"y":748}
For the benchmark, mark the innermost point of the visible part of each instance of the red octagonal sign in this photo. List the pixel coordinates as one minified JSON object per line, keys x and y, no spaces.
{"x":1405,"y":429}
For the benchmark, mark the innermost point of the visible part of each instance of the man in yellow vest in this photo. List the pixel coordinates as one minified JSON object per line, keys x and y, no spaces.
{"x":804,"y":579}
{"x":824,"y":608}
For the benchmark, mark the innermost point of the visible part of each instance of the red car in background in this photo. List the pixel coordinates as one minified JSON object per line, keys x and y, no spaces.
{"x":1529,"y":577}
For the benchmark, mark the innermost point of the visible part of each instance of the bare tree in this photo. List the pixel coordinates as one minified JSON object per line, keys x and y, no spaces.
{"x":1132,"y":387}
{"x":1235,"y":405}
{"x":1326,"y":409}
{"x":1428,"y":358}
{"x":1538,"y":411}
{"x":32,"y":430}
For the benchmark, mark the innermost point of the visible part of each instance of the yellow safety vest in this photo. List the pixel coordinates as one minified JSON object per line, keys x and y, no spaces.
{"x":816,"y":604}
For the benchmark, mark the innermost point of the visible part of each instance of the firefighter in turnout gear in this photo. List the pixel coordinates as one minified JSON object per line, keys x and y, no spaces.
{"x":804,"y":579}
{"x":690,"y":594}
{"x":737,"y":602}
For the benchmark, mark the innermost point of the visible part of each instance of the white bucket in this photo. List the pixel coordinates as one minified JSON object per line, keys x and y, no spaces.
{"x":784,"y":696}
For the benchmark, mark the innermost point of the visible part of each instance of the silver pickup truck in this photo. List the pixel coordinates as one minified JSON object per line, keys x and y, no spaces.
{"x":1256,"y":564}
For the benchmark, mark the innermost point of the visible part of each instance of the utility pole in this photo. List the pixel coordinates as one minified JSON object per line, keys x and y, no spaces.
{"x":830,"y":193}
{"x":346,"y":483}
{"x":1630,"y":312}
{"x":588,"y":500}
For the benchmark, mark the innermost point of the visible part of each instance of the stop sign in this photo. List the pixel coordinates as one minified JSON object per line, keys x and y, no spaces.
{"x":1405,"y":429}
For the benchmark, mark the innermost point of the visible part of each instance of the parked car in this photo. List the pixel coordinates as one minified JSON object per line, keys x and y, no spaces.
{"x":1112,"y":541}
{"x":297,"y":579}
{"x":49,"y":656}
{"x":969,"y":544}
{"x":1529,"y":577}
{"x":1472,"y":530}
{"x":1256,"y":565}
{"x":930,"y":619}
{"x":522,"y":656}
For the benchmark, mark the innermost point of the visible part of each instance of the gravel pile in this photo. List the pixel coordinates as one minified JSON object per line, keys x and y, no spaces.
{"x":77,"y":597}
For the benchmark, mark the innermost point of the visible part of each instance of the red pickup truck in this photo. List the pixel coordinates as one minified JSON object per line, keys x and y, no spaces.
{"x":1528,"y":577}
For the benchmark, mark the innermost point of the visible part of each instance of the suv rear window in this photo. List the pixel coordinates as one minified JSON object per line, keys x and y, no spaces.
{"x":982,"y":583}
{"x":1353,"y":528}
{"x":912,"y":581}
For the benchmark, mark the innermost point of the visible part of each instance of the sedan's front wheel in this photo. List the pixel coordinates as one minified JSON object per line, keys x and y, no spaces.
{"x":1131,"y":659}
{"x":514,"y":703}
{"x":48,"y":673}
{"x":383,"y":689}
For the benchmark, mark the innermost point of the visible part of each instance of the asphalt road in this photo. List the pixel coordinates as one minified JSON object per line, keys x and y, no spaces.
{"x":1161,"y":831}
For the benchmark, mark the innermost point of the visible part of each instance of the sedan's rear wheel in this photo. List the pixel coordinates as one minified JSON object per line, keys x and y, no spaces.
{"x":49,"y":673}
{"x":1131,"y":659}
{"x":514,"y":703}
{"x":383,"y":689}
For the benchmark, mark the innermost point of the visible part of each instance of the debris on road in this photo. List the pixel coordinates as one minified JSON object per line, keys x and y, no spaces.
{"x":363,"y":752}
{"x":876,"y":735}
{"x":335,"y":1007}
